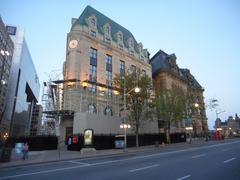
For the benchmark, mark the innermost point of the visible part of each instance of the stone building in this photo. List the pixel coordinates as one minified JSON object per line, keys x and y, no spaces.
{"x":97,"y":49}
{"x":167,"y":74}
{"x":229,"y":127}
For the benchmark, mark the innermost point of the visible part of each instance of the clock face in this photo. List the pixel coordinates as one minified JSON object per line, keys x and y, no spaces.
{"x":73,"y":44}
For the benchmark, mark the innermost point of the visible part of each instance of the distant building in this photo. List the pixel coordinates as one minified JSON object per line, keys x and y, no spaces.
{"x":23,"y":87}
{"x":6,"y":52}
{"x":97,"y":49}
{"x":229,"y":127}
{"x":167,"y":74}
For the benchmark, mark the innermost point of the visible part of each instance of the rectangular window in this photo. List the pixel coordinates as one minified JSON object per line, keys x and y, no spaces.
{"x":131,"y":53}
{"x":122,"y":68}
{"x":93,"y":33}
{"x":133,"y":70}
{"x":4,"y":43}
{"x":108,"y":40}
{"x":93,"y":73}
{"x":1,"y":36}
{"x":108,"y":74}
{"x":108,"y":61}
{"x":93,"y":56}
{"x":109,"y":78}
{"x":143,"y":72}
{"x":120,"y":46}
{"x":92,"y":88}
{"x":109,"y":92}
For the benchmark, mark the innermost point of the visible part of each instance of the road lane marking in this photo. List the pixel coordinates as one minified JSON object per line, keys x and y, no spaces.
{"x":122,"y":160}
{"x":76,"y":162}
{"x":33,"y":165}
{"x":229,"y":160}
{"x":106,"y":162}
{"x":143,"y":168}
{"x":184,"y":177}
{"x":42,"y":172}
{"x":197,"y":156}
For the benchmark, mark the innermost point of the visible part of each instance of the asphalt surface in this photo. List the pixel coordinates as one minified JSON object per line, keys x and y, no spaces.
{"x":210,"y":161}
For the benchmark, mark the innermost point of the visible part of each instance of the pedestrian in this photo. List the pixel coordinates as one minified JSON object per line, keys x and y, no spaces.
{"x":25,"y":151}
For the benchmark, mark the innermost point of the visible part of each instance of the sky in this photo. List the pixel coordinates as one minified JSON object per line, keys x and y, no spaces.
{"x":204,"y":35}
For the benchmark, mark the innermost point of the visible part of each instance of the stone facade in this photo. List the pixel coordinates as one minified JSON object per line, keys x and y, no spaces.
{"x":98,"y":49}
{"x":229,"y":127}
{"x":167,"y":74}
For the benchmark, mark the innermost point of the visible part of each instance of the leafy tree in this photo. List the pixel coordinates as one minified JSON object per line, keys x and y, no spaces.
{"x":170,"y":106}
{"x":136,"y":103}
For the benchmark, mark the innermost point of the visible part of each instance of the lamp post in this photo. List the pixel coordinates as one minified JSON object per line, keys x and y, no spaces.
{"x":189,"y":128}
{"x":191,"y":125}
{"x":125,"y":126}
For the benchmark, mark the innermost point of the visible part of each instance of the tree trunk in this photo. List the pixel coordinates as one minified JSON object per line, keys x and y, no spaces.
{"x":137,"y":144}
{"x":168,"y":129}
{"x":168,"y":133}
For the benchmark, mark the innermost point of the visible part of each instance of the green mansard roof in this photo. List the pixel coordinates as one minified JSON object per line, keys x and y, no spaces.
{"x":101,"y":21}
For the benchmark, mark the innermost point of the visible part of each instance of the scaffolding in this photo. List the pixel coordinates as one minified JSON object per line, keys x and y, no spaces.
{"x":52,"y":102}
{"x":61,"y":98}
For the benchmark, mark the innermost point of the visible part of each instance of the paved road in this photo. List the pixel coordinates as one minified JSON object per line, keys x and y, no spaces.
{"x":216,"y":161}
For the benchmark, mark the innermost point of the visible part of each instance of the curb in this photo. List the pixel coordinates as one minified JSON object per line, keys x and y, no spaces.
{"x":152,"y":148}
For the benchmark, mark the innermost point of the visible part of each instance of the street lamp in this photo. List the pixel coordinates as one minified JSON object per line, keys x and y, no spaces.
{"x":196,"y":105}
{"x":189,"y":128}
{"x":190,"y":114}
{"x":124,"y":125}
{"x":136,"y":89}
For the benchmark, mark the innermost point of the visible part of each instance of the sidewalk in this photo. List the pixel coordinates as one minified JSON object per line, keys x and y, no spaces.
{"x":36,"y":157}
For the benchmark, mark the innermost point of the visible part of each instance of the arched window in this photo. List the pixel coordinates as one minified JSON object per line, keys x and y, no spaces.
{"x":108,"y":111}
{"x":91,"y":108}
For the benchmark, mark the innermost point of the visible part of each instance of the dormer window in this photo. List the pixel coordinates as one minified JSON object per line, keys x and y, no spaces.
{"x":92,"y":21}
{"x":140,"y":47}
{"x":120,"y":37}
{"x":107,"y":30}
{"x":130,"y":43}
{"x":120,"y":40}
{"x":107,"y":33}
{"x":92,"y":25}
{"x":145,"y":53}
